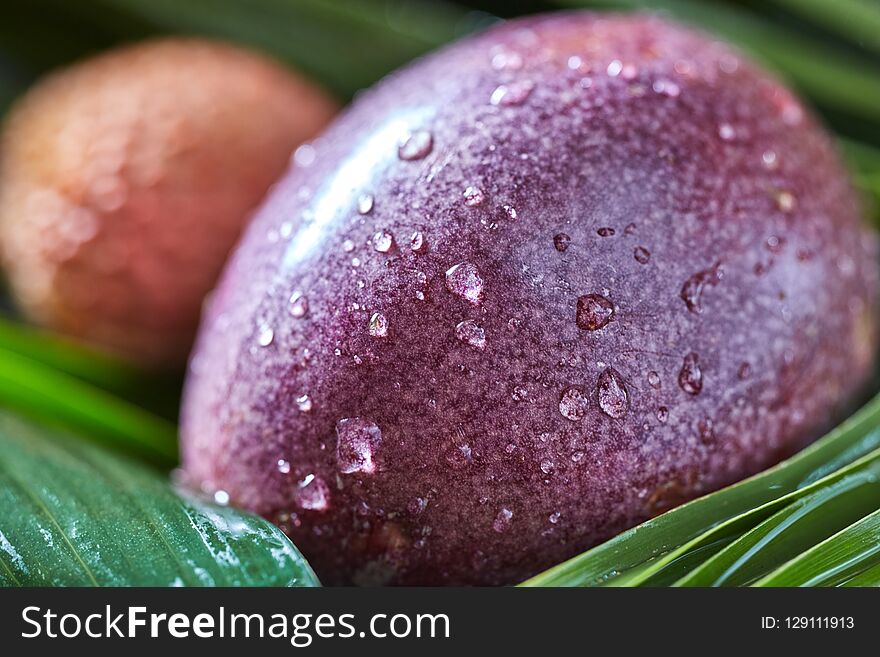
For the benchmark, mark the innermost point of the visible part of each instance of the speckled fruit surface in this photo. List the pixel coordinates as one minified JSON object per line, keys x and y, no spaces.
{"x":125,"y":181}
{"x":526,"y":293}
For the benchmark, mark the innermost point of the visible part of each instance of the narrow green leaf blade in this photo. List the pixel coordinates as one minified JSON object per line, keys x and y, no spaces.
{"x":74,"y":515}
{"x":798,"y":526}
{"x":850,"y":557}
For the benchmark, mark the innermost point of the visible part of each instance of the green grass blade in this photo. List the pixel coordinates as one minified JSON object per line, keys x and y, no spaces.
{"x":850,"y":557}
{"x":54,"y":397}
{"x":855,"y":20}
{"x":662,"y":540}
{"x":868,"y":577}
{"x":326,"y":39}
{"x":798,"y":526}
{"x":72,"y":514}
{"x":833,"y":79}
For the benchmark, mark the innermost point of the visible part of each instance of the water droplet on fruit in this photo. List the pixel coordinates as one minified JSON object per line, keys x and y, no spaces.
{"x":744,"y":371}
{"x":614,"y":68}
{"x":502,"y":520}
{"x":473,"y":196}
{"x":642,"y":255}
{"x":726,"y":132}
{"x":512,"y":94}
{"x":357,"y":440}
{"x":653,"y":379}
{"x":470,"y":333}
{"x":612,"y":394}
{"x":464,"y":280}
{"x":417,"y":505}
{"x":520,"y":393}
{"x":416,"y":145}
{"x":312,"y":493}
{"x":770,"y":160}
{"x":593,"y":312}
{"x":662,"y":414}
{"x":383,"y":241}
{"x":573,"y":405}
{"x":692,"y":290}
{"x":299,"y":305}
{"x":347,"y":246}
{"x":304,"y":156}
{"x":666,"y":88}
{"x":510,"y":211}
{"x":785,"y":201}
{"x":304,"y":403}
{"x":283,"y":466}
{"x":264,"y":339}
{"x":378,"y":325}
{"x":506,"y":60}
{"x":547,"y":466}
{"x":221,"y":497}
{"x":605,"y":231}
{"x":365,"y":204}
{"x":690,"y":377}
{"x":561,"y":242}
{"x":418,"y":243}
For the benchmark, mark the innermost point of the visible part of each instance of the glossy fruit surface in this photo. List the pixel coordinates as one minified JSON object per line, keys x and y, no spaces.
{"x":126,"y":179}
{"x":527,"y":292}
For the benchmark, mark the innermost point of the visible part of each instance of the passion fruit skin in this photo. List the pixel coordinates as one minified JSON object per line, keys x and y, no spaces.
{"x":126,"y":179}
{"x":642,"y":277}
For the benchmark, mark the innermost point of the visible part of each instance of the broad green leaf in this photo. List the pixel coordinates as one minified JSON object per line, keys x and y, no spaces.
{"x":850,"y":557}
{"x":74,"y":515}
{"x":800,"y":525}
{"x":641,"y":551}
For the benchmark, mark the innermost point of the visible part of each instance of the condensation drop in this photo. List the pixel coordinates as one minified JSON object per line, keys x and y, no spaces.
{"x":378,"y":325}
{"x":502,"y":520}
{"x":473,"y":196}
{"x":312,"y":493}
{"x":416,"y":145}
{"x":471,"y":333}
{"x":744,"y":370}
{"x":561,"y":242}
{"x":221,"y":497}
{"x":357,"y":440}
{"x":304,"y":403}
{"x":573,"y":405}
{"x":264,"y":339}
{"x":283,"y":466}
{"x":512,"y":94}
{"x":383,"y":241}
{"x":726,"y":132}
{"x":464,"y":280}
{"x":690,"y":377}
{"x":593,"y":312}
{"x":642,"y":255}
{"x":692,"y":290}
{"x":299,"y":305}
{"x":605,"y":231}
{"x":654,"y":379}
{"x":612,"y":394}
{"x":365,"y":204}
{"x":662,"y":414}
{"x":418,"y":243}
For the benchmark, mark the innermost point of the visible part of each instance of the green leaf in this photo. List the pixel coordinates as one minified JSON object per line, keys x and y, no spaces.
{"x":61,"y":400}
{"x":72,"y":514}
{"x":346,"y":44}
{"x":835,"y":502}
{"x":665,"y":541}
{"x":850,"y":557}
